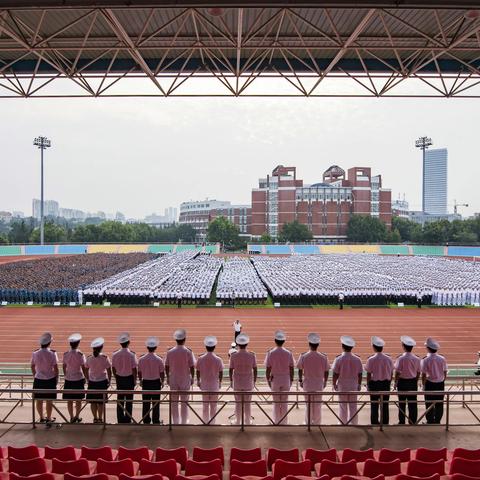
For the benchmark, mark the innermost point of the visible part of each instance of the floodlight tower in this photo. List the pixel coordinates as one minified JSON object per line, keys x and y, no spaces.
{"x":423,"y":143}
{"x":42,"y":143}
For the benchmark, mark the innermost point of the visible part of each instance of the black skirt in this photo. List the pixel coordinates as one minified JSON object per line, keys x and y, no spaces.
{"x":97,"y":397}
{"x":74,"y":385}
{"x":40,"y":384}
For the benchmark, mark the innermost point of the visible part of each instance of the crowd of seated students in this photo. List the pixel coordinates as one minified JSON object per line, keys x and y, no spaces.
{"x":105,"y":463}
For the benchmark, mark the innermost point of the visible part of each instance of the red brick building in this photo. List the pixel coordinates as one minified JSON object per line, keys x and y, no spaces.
{"x":324,"y":207}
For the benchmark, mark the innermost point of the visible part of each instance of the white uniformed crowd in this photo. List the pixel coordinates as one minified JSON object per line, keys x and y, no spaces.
{"x":180,"y":367}
{"x":356,"y":277}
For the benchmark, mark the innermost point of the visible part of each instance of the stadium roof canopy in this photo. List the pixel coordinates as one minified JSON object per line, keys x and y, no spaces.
{"x":239,"y":48}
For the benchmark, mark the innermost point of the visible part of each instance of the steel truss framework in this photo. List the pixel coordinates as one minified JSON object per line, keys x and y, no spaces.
{"x":186,"y":50}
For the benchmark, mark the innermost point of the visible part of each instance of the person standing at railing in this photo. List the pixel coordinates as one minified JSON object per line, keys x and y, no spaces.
{"x":99,"y":374}
{"x":74,"y":371}
{"x":347,"y":377}
{"x":125,"y":369}
{"x":209,"y":378}
{"x":379,"y":368}
{"x":243,"y":376}
{"x":478,"y":364}
{"x":313,"y":370}
{"x":279,"y":366}
{"x":407,"y":373}
{"x":434,"y":372}
{"x":44,"y":365}
{"x":151,"y":372}
{"x":180,"y":371}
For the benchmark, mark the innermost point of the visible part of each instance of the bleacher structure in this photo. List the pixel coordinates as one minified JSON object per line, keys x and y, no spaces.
{"x":143,"y":463}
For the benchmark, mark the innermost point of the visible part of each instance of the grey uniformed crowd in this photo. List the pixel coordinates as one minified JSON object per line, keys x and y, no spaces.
{"x":180,"y":368}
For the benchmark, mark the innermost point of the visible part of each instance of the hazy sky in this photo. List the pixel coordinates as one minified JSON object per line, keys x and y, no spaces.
{"x":142,"y":155}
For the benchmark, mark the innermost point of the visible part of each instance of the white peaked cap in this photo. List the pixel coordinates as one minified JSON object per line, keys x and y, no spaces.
{"x":210,"y":341}
{"x":432,"y":343}
{"x":377,"y":341}
{"x":45,"y":339}
{"x":243,"y":339}
{"x":347,"y":340}
{"x":280,"y":336}
{"x":124,"y":337}
{"x":408,"y":341}
{"x":234,"y":344}
{"x":180,"y":334}
{"x":151,"y":342}
{"x":74,"y":337}
{"x":98,"y":342}
{"x":313,"y":338}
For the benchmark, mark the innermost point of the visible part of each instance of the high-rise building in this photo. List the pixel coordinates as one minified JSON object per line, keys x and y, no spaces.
{"x":324,"y":207}
{"x":435,"y":181}
{"x":50,"y":208}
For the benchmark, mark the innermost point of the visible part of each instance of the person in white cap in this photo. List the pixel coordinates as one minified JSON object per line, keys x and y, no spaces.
{"x":180,"y":371}
{"x":243,"y":376}
{"x":279,"y":366}
{"x":478,"y":364}
{"x":379,"y":368}
{"x":151,"y":373}
{"x":407,"y":373}
{"x":44,"y":365}
{"x":99,"y":372}
{"x":209,"y":378}
{"x":434,"y":372}
{"x":347,"y":377}
{"x":74,"y":372}
{"x":313,"y":370}
{"x":232,"y":349}
{"x":124,"y":367}
{"x":237,"y":328}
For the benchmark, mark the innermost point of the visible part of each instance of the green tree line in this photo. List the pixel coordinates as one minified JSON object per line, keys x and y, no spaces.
{"x":28,"y":231}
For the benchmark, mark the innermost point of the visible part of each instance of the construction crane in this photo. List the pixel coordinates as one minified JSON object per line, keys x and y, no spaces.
{"x":456,"y":205}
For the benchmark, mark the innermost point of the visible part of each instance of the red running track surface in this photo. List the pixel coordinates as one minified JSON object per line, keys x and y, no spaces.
{"x":456,"y":329}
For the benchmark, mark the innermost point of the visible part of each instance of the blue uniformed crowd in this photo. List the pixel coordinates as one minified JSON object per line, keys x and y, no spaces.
{"x":180,"y":369}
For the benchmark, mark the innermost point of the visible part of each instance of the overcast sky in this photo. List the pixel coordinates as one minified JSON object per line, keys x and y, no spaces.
{"x":139,"y":156}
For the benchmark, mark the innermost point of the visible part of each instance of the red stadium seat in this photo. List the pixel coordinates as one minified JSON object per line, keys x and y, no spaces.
{"x":31,"y":466}
{"x":387,"y":455}
{"x":417,"y":468}
{"x":357,"y":455}
{"x":465,"y":467}
{"x":373,"y":468}
{"x":167,"y":468}
{"x":281,"y":469}
{"x":274,"y":454}
{"x":334,"y":469}
{"x":244,"y":469}
{"x":204,"y":468}
{"x":251,"y":455}
{"x":207,"y":454}
{"x":116,"y":467}
{"x":74,"y":467}
{"x":39,"y":476}
{"x":98,"y":476}
{"x":157,"y":476}
{"x":135,"y":454}
{"x":307,"y":477}
{"x":94,"y":454}
{"x":197,"y":477}
{"x":180,"y":455}
{"x":66,"y":454}
{"x":236,"y":477}
{"x":350,"y":477}
{"x":429,"y":455}
{"x":317,"y":456}
{"x":24,"y":453}
{"x":402,"y":476}
{"x":466,"y":453}
{"x":459,"y":476}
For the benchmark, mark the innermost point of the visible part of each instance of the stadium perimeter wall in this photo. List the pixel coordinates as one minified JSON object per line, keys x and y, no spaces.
{"x":33,"y":250}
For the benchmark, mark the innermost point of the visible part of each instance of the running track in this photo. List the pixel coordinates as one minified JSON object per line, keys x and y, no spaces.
{"x":456,"y":329}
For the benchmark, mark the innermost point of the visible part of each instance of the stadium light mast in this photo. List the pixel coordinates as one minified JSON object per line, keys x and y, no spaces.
{"x":423,"y":143}
{"x":42,"y":143}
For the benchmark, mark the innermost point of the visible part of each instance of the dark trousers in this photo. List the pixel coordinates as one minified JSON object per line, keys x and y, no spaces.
{"x":340,"y":302}
{"x":124,"y":401}
{"x":405,"y":385}
{"x":436,"y":413}
{"x":379,"y":386}
{"x":151,"y":401}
